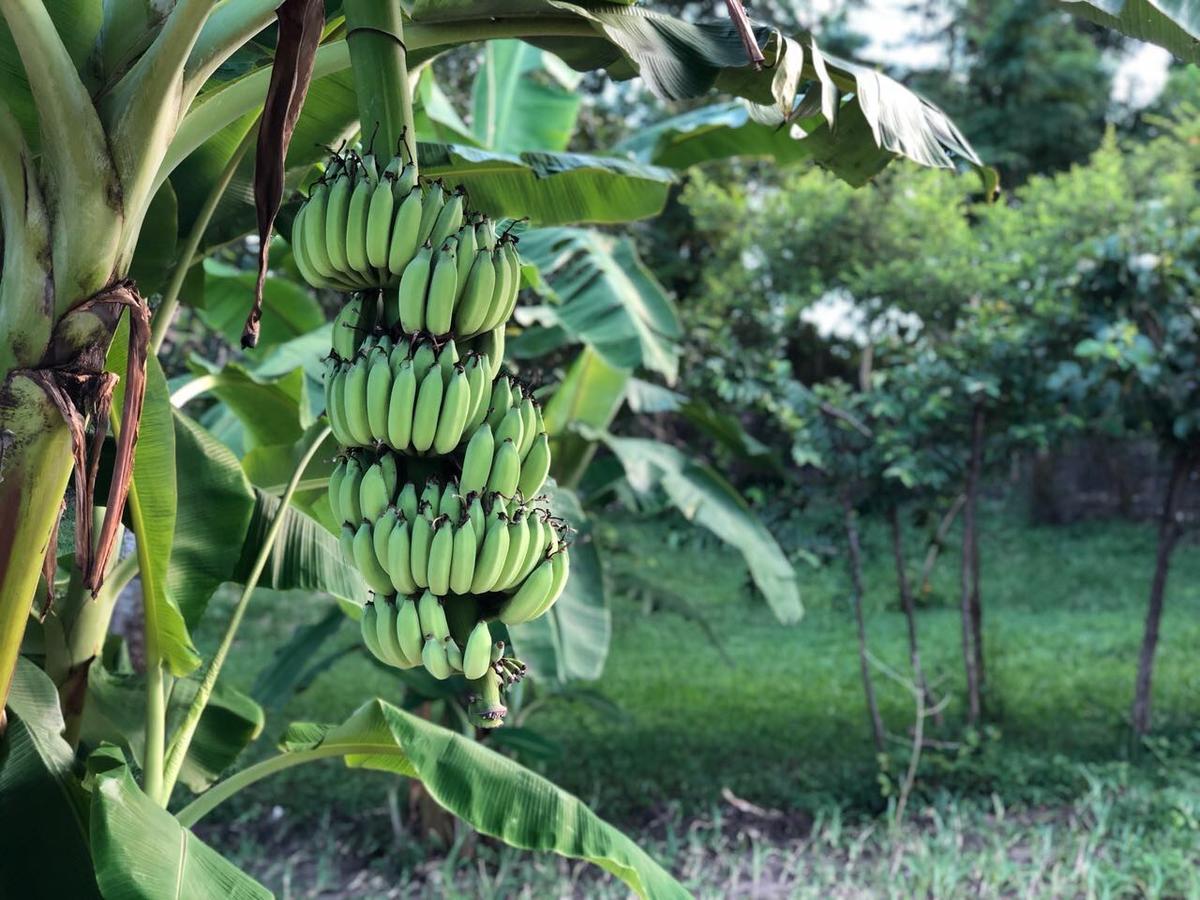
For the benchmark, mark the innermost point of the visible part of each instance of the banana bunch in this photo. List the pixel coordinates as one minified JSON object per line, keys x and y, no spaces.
{"x":447,"y":542}
{"x":361,"y":227}
{"x":463,"y":283}
{"x":443,"y":456}
{"x":509,"y":451}
{"x":413,"y":396}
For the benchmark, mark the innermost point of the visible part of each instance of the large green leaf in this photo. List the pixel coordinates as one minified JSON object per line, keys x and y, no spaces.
{"x":115,"y":713}
{"x":1173,"y":24}
{"x":269,"y":409}
{"x":589,"y":395}
{"x":572,"y":640}
{"x":289,"y":309}
{"x":154,"y":488}
{"x":142,"y":853}
{"x":679,"y":60}
{"x":606,"y":298}
{"x":704,"y":497}
{"x":294,"y":661}
{"x":43,"y":828}
{"x":493,"y":794}
{"x":305,"y":556}
{"x":516,"y":104}
{"x":156,"y":244}
{"x":213,"y":515}
{"x":550,"y":188}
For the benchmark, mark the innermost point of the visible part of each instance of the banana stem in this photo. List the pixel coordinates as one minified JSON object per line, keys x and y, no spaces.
{"x":375,"y":35}
{"x":183,"y":738}
{"x":219,"y":793}
{"x":187,"y":255}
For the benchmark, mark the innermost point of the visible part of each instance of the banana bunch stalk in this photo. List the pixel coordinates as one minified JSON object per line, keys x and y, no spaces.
{"x":436,"y":489}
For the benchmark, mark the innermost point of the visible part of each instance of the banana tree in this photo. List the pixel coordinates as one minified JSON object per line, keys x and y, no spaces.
{"x":117,"y":120}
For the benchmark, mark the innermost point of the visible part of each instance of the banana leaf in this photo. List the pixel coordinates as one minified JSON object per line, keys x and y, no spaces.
{"x":1173,"y":24}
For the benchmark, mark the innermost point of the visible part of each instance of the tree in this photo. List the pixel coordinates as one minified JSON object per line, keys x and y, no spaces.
{"x":115,"y":123}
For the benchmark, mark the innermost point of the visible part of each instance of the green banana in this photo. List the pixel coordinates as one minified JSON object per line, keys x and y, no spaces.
{"x":349,"y":328}
{"x":452,"y":419}
{"x":373,"y":496}
{"x":560,"y":567}
{"x":449,"y":218}
{"x":314,"y":231}
{"x":477,"y":655}
{"x":337,"y":404}
{"x":348,"y":495}
{"x":491,"y":345}
{"x":385,"y":635}
{"x":401,"y":405}
{"x":425,"y":416}
{"x":491,"y":557}
{"x":364,"y":558}
{"x":370,"y":168}
{"x":424,"y":359}
{"x":497,"y":651}
{"x":406,"y":180}
{"x":501,"y":402}
{"x":379,"y":224}
{"x":477,"y":291}
{"x":368,"y":624}
{"x":478,"y":519}
{"x":441,"y":556}
{"x":433,"y":656}
{"x":476,"y":367}
{"x":336,"y":477}
{"x":336,"y":207}
{"x":485,"y":235}
{"x":511,"y":428}
{"x":522,"y":606}
{"x":381,"y":536}
{"x":431,"y":208}
{"x":453,"y":654}
{"x":535,"y":552}
{"x":406,"y":502}
{"x":443,"y":289}
{"x":431,"y":499}
{"x":535,"y":468}
{"x":500,"y":291}
{"x":433,"y":617}
{"x":450,"y":505}
{"x":514,"y":288}
{"x":399,"y":560}
{"x":447,"y":359}
{"x":465,"y":237}
{"x":408,"y":628}
{"x":414,"y":284}
{"x":406,"y":229}
{"x":518,"y":543}
{"x":462,"y":562}
{"x":477,"y":461}
{"x":531,"y":425}
{"x":379,"y":392}
{"x":355,"y":236}
{"x":418,"y":552}
{"x":506,"y":470}
{"x":355,"y":411}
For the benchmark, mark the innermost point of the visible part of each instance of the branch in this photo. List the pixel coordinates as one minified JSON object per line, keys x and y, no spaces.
{"x":183,"y":737}
{"x":850,"y":419}
{"x":84,"y":185}
{"x":26,"y":281}
{"x":146,"y":107}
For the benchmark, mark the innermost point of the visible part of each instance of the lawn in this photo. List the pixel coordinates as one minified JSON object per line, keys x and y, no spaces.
{"x":737,"y":746}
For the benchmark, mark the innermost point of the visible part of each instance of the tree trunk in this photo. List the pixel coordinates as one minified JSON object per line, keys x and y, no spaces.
{"x":972,"y":615}
{"x":939,"y":540}
{"x":1168,"y":534}
{"x":35,"y":463}
{"x":906,"y":600}
{"x":877,"y":730}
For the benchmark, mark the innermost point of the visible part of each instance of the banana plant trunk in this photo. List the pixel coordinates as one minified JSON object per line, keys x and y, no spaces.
{"x":972,"y":615}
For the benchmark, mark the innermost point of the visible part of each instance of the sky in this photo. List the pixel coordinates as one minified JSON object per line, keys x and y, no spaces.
{"x":898,"y":39}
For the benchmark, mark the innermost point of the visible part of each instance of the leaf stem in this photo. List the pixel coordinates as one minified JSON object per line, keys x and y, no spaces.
{"x":187,"y":254}
{"x":156,"y":699}
{"x":183,"y":738}
{"x":219,"y":793}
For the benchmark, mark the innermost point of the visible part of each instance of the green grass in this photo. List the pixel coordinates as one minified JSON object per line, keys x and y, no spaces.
{"x":1053,"y":795}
